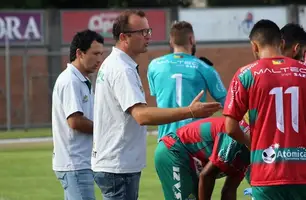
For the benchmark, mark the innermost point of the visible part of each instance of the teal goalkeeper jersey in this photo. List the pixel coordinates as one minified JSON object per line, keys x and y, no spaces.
{"x":176,"y":79}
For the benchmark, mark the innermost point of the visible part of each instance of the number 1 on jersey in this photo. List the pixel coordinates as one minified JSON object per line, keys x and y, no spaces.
{"x":279,"y":107}
{"x":178,"y":83}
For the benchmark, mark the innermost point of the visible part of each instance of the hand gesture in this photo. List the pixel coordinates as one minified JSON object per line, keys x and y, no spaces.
{"x":203,"y":110}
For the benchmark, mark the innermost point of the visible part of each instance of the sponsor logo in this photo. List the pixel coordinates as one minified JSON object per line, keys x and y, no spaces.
{"x":295,"y":71}
{"x":85,"y":99}
{"x":179,"y":63}
{"x":100,"y":76}
{"x":21,"y":26}
{"x":178,"y":56}
{"x":247,"y":23}
{"x":102,"y":22}
{"x":177,"y":186}
{"x":197,"y":165}
{"x":245,"y":69}
{"x":278,"y":62}
{"x":234,"y":90}
{"x":272,"y":153}
{"x":268,"y":155}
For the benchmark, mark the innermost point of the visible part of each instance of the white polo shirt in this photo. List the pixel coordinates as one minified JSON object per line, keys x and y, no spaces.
{"x":72,"y":149}
{"x":119,"y":141}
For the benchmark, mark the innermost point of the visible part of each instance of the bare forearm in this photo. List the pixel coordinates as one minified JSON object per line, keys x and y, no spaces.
{"x":234,"y":131}
{"x":238,"y":135}
{"x":159,"y":116}
{"x":82,"y":124}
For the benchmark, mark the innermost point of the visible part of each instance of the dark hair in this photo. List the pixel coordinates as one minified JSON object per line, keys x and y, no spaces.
{"x":180,"y":32}
{"x":266,"y":33}
{"x":292,"y":34}
{"x":83,"y":40}
{"x":121,"y":23}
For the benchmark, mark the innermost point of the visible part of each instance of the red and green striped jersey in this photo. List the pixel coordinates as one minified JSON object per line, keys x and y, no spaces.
{"x":206,"y":140}
{"x":273,"y":90}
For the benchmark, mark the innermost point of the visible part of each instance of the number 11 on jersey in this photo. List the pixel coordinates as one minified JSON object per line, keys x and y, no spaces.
{"x":279,"y":107}
{"x":178,"y":90}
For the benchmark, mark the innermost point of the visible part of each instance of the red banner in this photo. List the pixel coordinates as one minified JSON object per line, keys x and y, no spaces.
{"x":102,"y":22}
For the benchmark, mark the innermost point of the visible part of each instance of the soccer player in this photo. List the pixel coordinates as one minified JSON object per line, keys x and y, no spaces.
{"x":294,"y":38}
{"x":175,"y":79}
{"x":294,"y":47}
{"x":273,"y":90}
{"x":189,"y":161}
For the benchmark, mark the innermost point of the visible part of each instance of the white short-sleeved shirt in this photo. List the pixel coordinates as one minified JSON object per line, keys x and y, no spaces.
{"x":72,"y":149}
{"x":119,"y":141}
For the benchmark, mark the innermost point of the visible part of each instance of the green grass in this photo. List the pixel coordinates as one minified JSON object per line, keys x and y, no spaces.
{"x":26,"y":174}
{"x":36,"y":133}
{"x":32,"y":133}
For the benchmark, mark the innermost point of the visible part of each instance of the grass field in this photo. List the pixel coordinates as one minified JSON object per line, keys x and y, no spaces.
{"x":35,"y":133}
{"x":26,"y":173}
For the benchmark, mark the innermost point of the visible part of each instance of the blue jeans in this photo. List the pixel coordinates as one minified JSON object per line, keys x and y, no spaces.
{"x":118,"y":186}
{"x":78,"y":185}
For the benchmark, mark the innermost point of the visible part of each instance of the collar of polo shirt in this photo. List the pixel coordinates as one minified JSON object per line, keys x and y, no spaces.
{"x":76,"y":72}
{"x":125,"y":57}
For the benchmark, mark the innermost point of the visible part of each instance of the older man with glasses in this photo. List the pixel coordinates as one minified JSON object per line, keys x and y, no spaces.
{"x":121,"y":111}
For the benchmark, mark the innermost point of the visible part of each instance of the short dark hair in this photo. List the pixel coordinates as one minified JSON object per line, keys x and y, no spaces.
{"x":83,"y":40}
{"x":266,"y":33}
{"x":180,"y":32}
{"x":292,"y":34}
{"x":121,"y":23}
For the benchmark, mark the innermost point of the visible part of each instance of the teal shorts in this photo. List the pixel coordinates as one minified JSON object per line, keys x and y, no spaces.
{"x":178,"y":179}
{"x":178,"y":169}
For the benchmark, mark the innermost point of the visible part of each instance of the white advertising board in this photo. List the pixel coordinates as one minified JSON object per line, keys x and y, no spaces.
{"x":229,"y":24}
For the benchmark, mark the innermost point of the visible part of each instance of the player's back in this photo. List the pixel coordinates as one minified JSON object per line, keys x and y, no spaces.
{"x":175,"y":80}
{"x":206,"y":140}
{"x":199,"y":136}
{"x":277,"y":91}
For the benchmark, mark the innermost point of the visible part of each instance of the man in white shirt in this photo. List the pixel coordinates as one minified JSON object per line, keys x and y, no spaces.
{"x":72,"y":115}
{"x":120,"y":111}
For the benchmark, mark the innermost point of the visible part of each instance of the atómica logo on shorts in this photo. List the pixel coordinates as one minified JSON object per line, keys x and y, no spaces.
{"x":272,"y":153}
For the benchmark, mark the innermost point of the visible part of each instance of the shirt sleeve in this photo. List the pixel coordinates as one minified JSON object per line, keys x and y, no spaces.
{"x":71,"y":98}
{"x":128,"y":89}
{"x":236,"y":103}
{"x":150,"y":76}
{"x":228,"y":156}
{"x":244,"y":125}
{"x":215,"y":85}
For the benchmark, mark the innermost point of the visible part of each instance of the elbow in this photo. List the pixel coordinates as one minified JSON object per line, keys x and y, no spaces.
{"x":141,"y":119}
{"x":229,"y":126}
{"x":72,"y":124}
{"x":141,"y":116}
{"x":141,"y":122}
{"x":230,"y":132}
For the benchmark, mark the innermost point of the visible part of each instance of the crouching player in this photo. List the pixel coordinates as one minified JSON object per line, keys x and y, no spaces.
{"x":189,"y":161}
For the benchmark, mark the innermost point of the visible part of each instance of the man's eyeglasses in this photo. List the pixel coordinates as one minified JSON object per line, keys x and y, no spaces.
{"x":145,"y":32}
